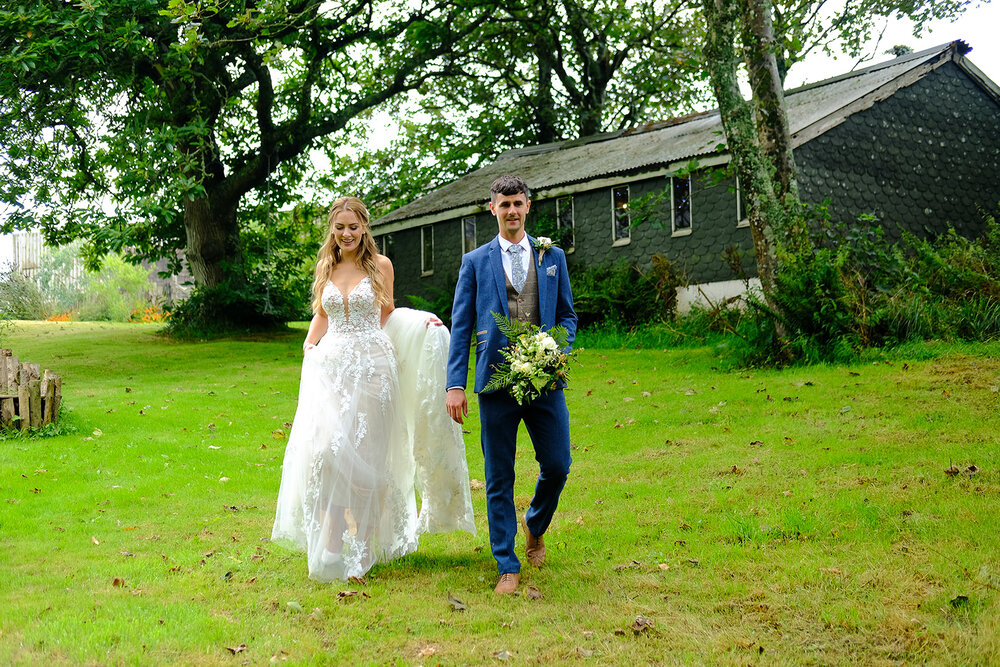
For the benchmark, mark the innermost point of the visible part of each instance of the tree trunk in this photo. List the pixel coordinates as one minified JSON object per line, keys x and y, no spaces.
{"x":545,"y":106}
{"x":213,"y":248}
{"x":752,"y":167}
{"x":773,"y":130}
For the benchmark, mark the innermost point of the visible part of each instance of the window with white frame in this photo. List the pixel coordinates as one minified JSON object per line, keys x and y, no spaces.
{"x":468,"y":234}
{"x":426,"y":250}
{"x":742,"y":219}
{"x":680,"y":197}
{"x":386,"y":245}
{"x":621,"y":229}
{"x":565,"y":223}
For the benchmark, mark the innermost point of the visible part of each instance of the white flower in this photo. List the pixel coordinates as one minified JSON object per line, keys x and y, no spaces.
{"x":542,"y":243}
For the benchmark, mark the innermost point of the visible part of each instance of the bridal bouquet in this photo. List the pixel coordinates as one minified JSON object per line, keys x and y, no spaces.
{"x":533,"y":359}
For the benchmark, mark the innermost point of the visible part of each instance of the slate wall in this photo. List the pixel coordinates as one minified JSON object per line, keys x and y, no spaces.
{"x":919,"y":160}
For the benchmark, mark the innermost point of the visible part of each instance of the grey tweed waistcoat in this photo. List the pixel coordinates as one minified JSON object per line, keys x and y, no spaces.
{"x":524,"y":306}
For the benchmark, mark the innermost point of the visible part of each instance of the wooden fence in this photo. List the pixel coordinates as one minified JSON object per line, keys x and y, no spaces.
{"x":29,"y":398}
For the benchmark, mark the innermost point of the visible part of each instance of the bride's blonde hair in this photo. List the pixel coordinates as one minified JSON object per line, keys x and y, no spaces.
{"x":330,"y":256}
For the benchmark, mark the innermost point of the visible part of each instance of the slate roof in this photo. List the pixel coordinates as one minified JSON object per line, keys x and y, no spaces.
{"x":812,"y":109}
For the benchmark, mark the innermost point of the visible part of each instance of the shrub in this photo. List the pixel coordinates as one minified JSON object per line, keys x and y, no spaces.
{"x":114,"y":292}
{"x":621,"y":294}
{"x":850,"y":289}
{"x":20,"y":298}
{"x":440,"y":301}
{"x":231,"y":307}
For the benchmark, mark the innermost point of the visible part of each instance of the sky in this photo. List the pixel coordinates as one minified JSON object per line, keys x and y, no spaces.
{"x":978,"y":27}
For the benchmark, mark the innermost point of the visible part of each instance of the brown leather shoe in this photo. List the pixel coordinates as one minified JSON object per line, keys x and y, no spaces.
{"x":508,"y":583}
{"x":534,"y":547}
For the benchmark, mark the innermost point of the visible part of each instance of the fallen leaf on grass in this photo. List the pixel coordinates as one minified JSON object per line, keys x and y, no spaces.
{"x":830,"y":570}
{"x":663,"y":566}
{"x":344,"y":595}
{"x":127,"y":554}
{"x":118,"y":582}
{"x":456,"y":604}
{"x":427,"y":651}
{"x":951,"y":471}
{"x":642,"y":624}
{"x":95,"y":540}
{"x":476,"y":485}
{"x":972,"y":470}
{"x":317,"y":614}
{"x":532,"y":593}
{"x":628,"y":566}
{"x":502,"y":655}
{"x":236,"y":649}
{"x":584,"y":653}
{"x":293,"y":605}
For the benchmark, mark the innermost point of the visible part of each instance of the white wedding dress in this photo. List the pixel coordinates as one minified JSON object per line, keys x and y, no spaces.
{"x":370,"y":432}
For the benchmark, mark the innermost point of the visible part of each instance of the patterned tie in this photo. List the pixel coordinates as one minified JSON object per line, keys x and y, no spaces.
{"x":517,"y":273}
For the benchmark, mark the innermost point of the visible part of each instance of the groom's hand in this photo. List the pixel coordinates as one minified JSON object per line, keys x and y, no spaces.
{"x":456,"y":404}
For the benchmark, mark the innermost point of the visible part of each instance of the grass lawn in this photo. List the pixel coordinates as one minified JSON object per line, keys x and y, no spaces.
{"x":798,"y":516}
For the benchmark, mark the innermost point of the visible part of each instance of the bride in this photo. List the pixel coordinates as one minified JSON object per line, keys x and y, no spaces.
{"x":370,"y":430}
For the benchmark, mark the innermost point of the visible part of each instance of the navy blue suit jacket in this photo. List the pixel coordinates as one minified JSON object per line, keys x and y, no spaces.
{"x":482,"y":290}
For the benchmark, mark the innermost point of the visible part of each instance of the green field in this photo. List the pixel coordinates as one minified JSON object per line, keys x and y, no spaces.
{"x":801,"y":516}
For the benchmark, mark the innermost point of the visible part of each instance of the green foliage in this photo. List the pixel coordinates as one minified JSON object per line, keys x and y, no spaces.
{"x":279,"y":251}
{"x":56,"y":277}
{"x":533,"y":359}
{"x":141,"y":126}
{"x":546,"y":224}
{"x":20,"y":297}
{"x":240,"y":307}
{"x":60,"y":427}
{"x":440,"y":301}
{"x":622,"y":294}
{"x":115,"y":292}
{"x":853,"y":290}
{"x":575,"y":69}
{"x":800,"y":28}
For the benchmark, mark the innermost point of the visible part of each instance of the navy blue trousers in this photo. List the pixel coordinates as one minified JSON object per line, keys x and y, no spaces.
{"x":547,"y":422}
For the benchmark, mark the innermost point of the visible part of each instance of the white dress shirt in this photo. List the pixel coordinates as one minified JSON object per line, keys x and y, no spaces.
{"x":507,"y":257}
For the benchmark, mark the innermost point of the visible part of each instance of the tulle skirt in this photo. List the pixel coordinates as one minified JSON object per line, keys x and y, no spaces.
{"x":361,"y":447}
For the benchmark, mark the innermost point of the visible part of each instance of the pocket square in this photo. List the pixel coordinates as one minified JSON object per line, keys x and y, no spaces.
{"x":551,"y":271}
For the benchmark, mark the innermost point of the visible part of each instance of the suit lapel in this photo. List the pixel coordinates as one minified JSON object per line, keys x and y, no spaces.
{"x":499,"y":277}
{"x":546,"y":297}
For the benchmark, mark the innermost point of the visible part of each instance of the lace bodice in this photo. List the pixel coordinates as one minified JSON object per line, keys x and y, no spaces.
{"x":361,"y":315}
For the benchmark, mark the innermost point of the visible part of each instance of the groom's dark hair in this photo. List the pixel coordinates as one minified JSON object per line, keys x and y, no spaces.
{"x":508,"y":185}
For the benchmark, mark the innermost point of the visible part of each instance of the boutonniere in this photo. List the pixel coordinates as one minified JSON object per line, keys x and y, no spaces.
{"x":542,"y":243}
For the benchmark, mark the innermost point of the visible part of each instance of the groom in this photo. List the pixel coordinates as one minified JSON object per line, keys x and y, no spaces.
{"x":507,"y":276}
